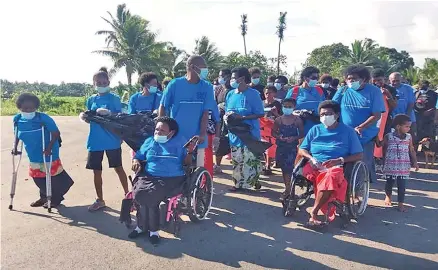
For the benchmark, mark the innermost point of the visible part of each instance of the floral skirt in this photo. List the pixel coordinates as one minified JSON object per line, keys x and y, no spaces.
{"x":246,"y":167}
{"x":38,"y":170}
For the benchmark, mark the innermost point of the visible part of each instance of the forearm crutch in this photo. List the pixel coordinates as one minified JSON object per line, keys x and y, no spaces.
{"x":16,"y":159}
{"x":48,"y":168}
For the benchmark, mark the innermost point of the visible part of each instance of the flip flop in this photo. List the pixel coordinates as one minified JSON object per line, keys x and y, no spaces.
{"x":315,"y":225}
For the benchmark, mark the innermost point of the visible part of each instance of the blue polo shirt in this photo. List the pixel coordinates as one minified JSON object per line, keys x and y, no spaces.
{"x":325,"y":144}
{"x":187,"y":102}
{"x":357,"y":106}
{"x":245,"y":103}
{"x":163,"y":159}
{"x":30,"y":133}
{"x":140,"y":103}
{"x":405,"y":96}
{"x":100,"y":139}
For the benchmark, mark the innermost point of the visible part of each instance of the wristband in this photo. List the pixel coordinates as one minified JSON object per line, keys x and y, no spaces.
{"x":342,"y":160}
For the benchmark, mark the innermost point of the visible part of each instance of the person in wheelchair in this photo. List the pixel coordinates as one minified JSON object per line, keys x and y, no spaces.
{"x":164,"y":156}
{"x":328,"y":146}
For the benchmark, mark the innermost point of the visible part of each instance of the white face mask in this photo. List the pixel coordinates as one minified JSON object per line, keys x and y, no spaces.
{"x":328,"y":120}
{"x":28,"y":115}
{"x":325,"y":85}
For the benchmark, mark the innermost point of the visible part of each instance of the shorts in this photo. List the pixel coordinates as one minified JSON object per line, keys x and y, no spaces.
{"x":285,"y":158}
{"x":94,"y":160}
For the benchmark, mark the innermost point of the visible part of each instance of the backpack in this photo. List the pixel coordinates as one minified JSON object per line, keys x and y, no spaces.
{"x":296,"y":90}
{"x":37,"y":114}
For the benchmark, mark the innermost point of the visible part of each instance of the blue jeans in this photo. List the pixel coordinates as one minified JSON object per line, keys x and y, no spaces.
{"x":368,"y":158}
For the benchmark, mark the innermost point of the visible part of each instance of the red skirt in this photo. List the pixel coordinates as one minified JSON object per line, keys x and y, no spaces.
{"x":266,"y":125}
{"x":331,"y":180}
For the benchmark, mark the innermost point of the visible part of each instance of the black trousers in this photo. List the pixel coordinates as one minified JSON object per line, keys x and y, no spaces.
{"x":401,"y":187}
{"x":61,"y":183}
{"x":149,"y":191}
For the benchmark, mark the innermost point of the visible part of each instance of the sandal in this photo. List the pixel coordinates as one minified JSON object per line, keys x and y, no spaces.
{"x":52,"y":205}
{"x":257,"y":186}
{"x":38,"y":203}
{"x":312,"y":223}
{"x":235,"y":189}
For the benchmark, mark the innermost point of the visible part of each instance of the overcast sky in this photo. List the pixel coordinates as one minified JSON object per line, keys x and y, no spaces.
{"x":51,"y":41}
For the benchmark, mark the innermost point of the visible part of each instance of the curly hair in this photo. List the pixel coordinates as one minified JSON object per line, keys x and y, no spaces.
{"x":25,"y":97}
{"x":242,"y":72}
{"x":307,"y":72}
{"x":360,"y":70}
{"x":146,"y":78}
{"x":170,"y":122}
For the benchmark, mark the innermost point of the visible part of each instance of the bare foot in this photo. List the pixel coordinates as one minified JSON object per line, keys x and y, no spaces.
{"x":402,"y":208}
{"x":388,"y":201}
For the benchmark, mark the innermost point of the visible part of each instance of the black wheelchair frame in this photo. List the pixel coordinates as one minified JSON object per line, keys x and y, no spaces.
{"x":350,"y":209}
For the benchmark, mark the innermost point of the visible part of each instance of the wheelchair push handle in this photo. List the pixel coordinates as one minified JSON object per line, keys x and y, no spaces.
{"x":194,"y":139}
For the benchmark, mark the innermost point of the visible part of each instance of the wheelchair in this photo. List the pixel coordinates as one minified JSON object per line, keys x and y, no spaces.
{"x":357,"y":194}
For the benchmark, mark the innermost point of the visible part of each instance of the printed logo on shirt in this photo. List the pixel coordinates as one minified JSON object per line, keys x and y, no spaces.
{"x":201,"y":95}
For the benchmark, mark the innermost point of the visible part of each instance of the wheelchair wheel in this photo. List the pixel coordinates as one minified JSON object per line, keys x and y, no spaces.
{"x":358,"y":190}
{"x":201,"y":195}
{"x":301,"y":190}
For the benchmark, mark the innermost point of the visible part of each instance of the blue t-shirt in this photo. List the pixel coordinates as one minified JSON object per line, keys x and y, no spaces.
{"x":100,"y":139}
{"x":187,"y":102}
{"x":325,"y":144}
{"x":245,"y":103}
{"x":307,"y":100}
{"x":358,"y":106}
{"x":30,"y":133}
{"x":139,"y":103}
{"x":163,"y":159}
{"x":405,"y":96}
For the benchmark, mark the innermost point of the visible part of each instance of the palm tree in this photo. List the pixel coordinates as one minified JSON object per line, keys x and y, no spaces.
{"x":210,"y":53}
{"x":280,"y":33}
{"x":412,"y":74}
{"x":244,"y":30}
{"x":173,"y":61}
{"x":384,"y":62}
{"x":361,"y":52}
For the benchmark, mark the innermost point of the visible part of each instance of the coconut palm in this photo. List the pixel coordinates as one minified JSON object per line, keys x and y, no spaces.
{"x":210,"y":53}
{"x":384,"y":62}
{"x":280,"y":33}
{"x":244,"y":30}
{"x":361,"y":52}
{"x":412,"y":74}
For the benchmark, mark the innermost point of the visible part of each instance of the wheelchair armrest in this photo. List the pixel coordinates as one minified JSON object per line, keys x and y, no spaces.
{"x":301,"y":163}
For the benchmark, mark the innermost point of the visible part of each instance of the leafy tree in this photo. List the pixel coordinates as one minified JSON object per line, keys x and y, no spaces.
{"x":244,"y":30}
{"x":400,"y":60}
{"x":327,"y":58}
{"x":361,"y":52}
{"x":211,"y":54}
{"x":384,"y":62}
{"x":280,"y":33}
{"x":412,"y":74}
{"x":430,"y":70}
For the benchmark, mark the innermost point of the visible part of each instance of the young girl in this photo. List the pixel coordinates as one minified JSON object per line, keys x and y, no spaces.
{"x":287,"y":130}
{"x":28,"y":127}
{"x":101,"y":141}
{"x":399,"y":154}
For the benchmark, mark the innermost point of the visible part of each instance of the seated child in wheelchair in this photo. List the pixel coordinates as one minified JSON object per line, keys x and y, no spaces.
{"x":164,"y":156}
{"x":328,"y":146}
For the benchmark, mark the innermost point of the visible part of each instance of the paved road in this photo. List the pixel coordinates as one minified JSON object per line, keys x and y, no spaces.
{"x":244,"y":230}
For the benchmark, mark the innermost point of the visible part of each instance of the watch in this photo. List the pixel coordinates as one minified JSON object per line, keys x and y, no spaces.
{"x":342,"y":160}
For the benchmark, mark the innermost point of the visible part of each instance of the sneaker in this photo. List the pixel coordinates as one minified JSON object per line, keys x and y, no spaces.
{"x":154,"y":239}
{"x":98,"y":204}
{"x":40,"y":202}
{"x":217,"y":169}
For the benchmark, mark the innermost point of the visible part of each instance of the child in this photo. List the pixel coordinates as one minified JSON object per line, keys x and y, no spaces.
{"x":28,"y":126}
{"x":399,"y":154}
{"x":101,"y":141}
{"x":287,"y":130}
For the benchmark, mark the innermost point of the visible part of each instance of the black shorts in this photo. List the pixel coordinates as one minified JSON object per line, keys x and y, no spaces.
{"x":94,"y":160}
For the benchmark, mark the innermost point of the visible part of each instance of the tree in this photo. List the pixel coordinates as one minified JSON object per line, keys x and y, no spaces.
{"x":430,"y":71}
{"x":384,"y":62}
{"x":412,"y":74}
{"x":280,"y":33}
{"x":400,"y":60}
{"x":211,"y":55}
{"x":361,"y":52}
{"x":327,"y":58}
{"x":244,"y":30}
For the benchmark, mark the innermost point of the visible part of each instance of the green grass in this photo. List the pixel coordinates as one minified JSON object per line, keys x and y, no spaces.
{"x":56,"y":106}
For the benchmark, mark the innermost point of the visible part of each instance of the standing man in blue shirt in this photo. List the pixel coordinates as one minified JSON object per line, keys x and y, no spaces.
{"x":148,"y":100}
{"x":188,"y":100}
{"x":361,"y":108}
{"x":405,"y":101}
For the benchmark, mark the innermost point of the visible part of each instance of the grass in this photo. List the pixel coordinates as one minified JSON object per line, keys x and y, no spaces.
{"x":55,"y":106}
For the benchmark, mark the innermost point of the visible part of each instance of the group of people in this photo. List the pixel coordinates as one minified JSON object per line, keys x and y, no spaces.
{"x":342,"y":124}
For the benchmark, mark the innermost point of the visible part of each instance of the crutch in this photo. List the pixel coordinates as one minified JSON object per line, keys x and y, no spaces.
{"x":16,"y":159}
{"x":48,"y":168}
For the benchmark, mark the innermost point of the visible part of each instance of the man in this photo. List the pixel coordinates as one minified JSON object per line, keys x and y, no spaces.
{"x":188,"y":100}
{"x":405,"y":101}
{"x":334,"y":85}
{"x":221,"y":90}
{"x":271,"y":80}
{"x":425,"y":110}
{"x":389,"y":94}
{"x":281,"y":83}
{"x":255,"y":81}
{"x":326,"y":81}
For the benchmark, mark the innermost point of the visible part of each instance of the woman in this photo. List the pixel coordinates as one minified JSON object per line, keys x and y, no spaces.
{"x":361,"y":108}
{"x":28,"y":127}
{"x":244,"y":104}
{"x":148,"y":100}
{"x":164,"y":155}
{"x":328,"y":146}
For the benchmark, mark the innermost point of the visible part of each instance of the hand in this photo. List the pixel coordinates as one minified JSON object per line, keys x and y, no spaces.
{"x":358,"y":130}
{"x":216,"y":141}
{"x":136,"y":166}
{"x":386,"y":92}
{"x":200,"y":139}
{"x":290,"y":139}
{"x":332,"y":163}
{"x":191,"y":145}
{"x":314,"y":163}
{"x":281,"y":138}
{"x":48,"y":151}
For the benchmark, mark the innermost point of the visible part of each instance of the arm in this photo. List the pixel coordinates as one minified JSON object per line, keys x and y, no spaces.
{"x":257,"y":108}
{"x":385,"y":147}
{"x":411,"y":100}
{"x":300,"y":125}
{"x":392,"y":102}
{"x":132,"y":105}
{"x":204,"y":123}
{"x":50,"y":125}
{"x":371,"y":120}
{"x":166,"y":99}
{"x":413,"y":155}
{"x":188,"y":159}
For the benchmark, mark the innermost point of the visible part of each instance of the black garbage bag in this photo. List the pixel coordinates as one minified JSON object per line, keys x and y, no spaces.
{"x":134,"y":129}
{"x":243,"y":132}
{"x":307,"y":115}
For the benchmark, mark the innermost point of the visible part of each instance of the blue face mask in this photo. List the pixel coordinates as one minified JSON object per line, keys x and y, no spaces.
{"x":28,"y":115}
{"x":153,"y":89}
{"x":312,"y":83}
{"x":160,"y":138}
{"x":277,"y":86}
{"x":255,"y":81}
{"x":288,"y":111}
{"x":203,"y":73}
{"x":354,"y":85}
{"x":270,"y":84}
{"x":102,"y":90}
{"x":234,"y":84}
{"x":221,"y":81}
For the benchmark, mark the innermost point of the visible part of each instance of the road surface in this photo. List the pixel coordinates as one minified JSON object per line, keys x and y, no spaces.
{"x":244,"y":230}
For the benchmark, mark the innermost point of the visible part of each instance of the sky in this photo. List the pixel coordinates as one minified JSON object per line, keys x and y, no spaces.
{"x":52,"y":41}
